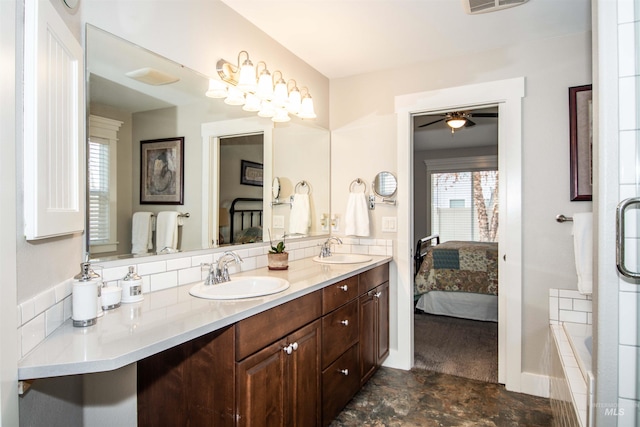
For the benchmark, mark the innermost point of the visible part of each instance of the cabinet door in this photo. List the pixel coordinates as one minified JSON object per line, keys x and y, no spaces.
{"x":368,"y":330}
{"x":381,"y":296}
{"x":303,"y":381}
{"x":280,"y":385}
{"x":374,"y":330}
{"x":260,"y":387}
{"x":190,"y":384}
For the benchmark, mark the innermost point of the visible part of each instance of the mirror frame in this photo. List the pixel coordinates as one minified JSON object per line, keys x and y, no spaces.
{"x":377,"y":184}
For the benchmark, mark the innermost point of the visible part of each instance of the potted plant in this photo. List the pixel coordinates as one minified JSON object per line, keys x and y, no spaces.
{"x":277,"y":258}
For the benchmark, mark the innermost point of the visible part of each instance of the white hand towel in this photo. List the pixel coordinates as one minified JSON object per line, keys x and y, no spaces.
{"x":167,"y":231}
{"x":300,"y":217}
{"x":141,"y":233}
{"x":357,"y":216}
{"x":583,"y":249}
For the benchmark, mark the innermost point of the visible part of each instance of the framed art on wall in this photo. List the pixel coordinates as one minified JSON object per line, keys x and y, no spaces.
{"x":251,"y":173}
{"x":162,"y":171}
{"x":581,"y":142}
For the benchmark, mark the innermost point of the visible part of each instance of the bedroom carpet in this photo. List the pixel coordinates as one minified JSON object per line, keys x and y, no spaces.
{"x":460,"y":347}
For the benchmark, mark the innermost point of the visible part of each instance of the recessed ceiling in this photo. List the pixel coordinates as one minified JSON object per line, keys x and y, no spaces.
{"x":342,"y":38}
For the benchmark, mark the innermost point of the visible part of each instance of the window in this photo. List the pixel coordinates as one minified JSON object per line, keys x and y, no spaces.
{"x":101,"y":171}
{"x":464,"y":205}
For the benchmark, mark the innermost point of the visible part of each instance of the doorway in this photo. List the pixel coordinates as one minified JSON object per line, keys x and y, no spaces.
{"x":455,"y":183}
{"x":507,"y":95}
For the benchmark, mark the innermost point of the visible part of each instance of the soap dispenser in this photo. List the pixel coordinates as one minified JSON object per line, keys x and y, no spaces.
{"x":86,"y":290}
{"x":131,"y":287}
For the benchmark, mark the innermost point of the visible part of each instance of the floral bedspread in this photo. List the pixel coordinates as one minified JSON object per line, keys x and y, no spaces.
{"x":459,"y":267}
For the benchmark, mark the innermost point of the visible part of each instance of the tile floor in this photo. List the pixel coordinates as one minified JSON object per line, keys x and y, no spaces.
{"x":423,"y":398}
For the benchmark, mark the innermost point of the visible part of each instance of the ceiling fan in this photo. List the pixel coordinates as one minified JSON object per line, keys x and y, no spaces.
{"x":459,"y":119}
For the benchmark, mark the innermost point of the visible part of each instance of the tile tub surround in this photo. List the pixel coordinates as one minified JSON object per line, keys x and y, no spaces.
{"x":570,"y":318}
{"x":166,"y":318}
{"x":569,"y":306}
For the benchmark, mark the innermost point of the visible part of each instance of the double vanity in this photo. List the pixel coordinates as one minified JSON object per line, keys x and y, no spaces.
{"x":294,"y":357}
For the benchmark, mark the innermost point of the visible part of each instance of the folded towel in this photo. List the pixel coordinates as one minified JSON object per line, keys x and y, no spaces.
{"x":300,"y":217}
{"x":167,"y":232}
{"x":357,"y":216}
{"x":141,"y":232}
{"x":583,"y":250}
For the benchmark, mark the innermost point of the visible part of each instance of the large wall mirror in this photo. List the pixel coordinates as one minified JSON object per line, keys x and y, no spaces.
{"x":150,"y":121}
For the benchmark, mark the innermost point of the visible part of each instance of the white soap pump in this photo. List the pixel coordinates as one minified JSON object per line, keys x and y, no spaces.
{"x":86,"y":289}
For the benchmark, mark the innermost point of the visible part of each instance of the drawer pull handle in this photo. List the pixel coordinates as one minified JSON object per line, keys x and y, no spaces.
{"x":345,"y":322}
{"x":290,"y":348}
{"x":344,"y":372}
{"x":344,"y":288}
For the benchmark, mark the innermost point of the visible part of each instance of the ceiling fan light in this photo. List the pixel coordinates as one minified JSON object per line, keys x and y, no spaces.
{"x":456,"y":122}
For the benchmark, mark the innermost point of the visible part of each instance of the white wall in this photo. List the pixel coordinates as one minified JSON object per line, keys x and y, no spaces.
{"x":364,"y":142}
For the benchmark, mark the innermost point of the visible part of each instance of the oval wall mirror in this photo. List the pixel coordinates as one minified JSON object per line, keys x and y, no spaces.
{"x":275,"y":188}
{"x":385,"y":185}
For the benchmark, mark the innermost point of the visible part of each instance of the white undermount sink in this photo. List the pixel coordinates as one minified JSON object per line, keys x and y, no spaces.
{"x":343,"y":259}
{"x":240,"y":287}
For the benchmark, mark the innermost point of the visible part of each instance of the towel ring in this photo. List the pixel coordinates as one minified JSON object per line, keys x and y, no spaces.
{"x":358,"y":181}
{"x":303,"y":184}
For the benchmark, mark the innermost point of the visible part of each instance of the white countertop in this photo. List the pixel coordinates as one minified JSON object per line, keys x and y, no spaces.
{"x":165,"y":319}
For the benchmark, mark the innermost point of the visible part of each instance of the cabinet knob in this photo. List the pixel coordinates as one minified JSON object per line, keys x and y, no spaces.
{"x":288,"y":349}
{"x":377,"y":294}
{"x":294,"y":346}
{"x":345,"y":322}
{"x":344,"y":287}
{"x":344,"y":372}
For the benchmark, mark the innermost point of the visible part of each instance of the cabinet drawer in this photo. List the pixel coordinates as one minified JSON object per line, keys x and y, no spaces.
{"x":374,"y":277}
{"x":258,"y":331}
{"x":338,"y":294}
{"x":340,"y":382}
{"x":339,"y":331}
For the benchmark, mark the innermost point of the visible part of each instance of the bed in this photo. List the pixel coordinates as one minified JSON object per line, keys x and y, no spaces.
{"x":457,"y":278}
{"x":245,"y":220}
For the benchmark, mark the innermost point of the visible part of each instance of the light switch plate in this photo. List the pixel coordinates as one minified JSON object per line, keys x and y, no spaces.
{"x":389,"y":224}
{"x":278,"y":221}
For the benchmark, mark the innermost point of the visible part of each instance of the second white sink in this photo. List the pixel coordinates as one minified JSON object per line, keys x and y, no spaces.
{"x":240,"y":287}
{"x":343,"y":259}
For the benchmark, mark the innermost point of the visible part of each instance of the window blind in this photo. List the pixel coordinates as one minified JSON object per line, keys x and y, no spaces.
{"x":99,"y":219}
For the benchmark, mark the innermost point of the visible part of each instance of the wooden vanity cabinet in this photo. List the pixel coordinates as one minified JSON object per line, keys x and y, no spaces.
{"x":297,"y":364}
{"x":374,"y":320}
{"x":190,"y":384}
{"x":279,"y":384}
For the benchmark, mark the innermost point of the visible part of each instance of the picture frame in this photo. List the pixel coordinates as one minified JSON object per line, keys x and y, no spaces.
{"x":162,"y":171}
{"x":581,"y":142}
{"x":251,"y":173}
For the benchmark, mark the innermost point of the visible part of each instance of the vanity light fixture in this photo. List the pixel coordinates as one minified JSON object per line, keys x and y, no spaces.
{"x":257,"y":90}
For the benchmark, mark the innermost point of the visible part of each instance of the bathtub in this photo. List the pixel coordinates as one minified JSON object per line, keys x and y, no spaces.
{"x":573,"y":342}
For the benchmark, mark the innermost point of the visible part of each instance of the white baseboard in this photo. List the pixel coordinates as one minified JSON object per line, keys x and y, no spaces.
{"x":534,"y":384}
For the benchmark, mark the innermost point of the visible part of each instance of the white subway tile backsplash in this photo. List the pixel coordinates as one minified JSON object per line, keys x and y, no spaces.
{"x":582,"y":305}
{"x":627,"y":34}
{"x":565,"y":303}
{"x":628,"y":110}
{"x":178,"y":263}
{"x":631,"y":413}
{"x":41,"y":315}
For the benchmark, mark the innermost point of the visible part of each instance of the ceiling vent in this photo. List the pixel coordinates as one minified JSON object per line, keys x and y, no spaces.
{"x":474,"y":7}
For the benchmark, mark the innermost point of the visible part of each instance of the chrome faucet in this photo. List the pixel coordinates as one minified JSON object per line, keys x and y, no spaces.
{"x":325,"y":248}
{"x":219,"y":273}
